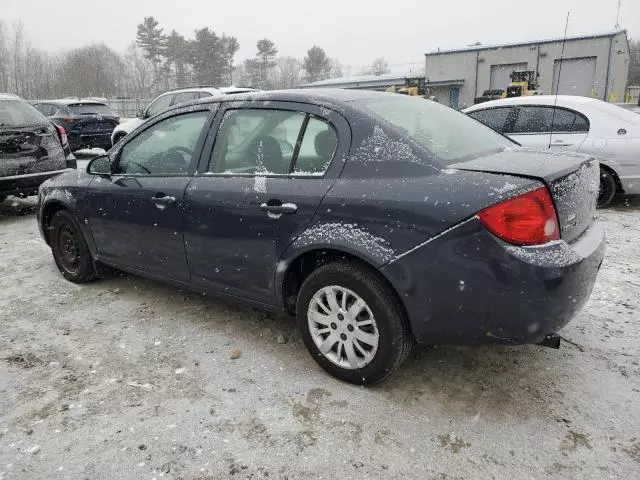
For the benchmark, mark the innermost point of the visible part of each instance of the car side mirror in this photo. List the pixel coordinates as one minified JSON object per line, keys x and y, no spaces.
{"x":140,"y":114}
{"x":100,"y":166}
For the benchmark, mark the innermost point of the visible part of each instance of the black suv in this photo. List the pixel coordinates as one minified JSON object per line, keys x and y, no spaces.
{"x":30,"y":148}
{"x":88,"y":123}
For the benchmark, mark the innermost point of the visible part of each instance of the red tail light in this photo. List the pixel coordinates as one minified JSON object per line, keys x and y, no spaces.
{"x":528,"y":219}
{"x":67,"y":120}
{"x":62,"y":133}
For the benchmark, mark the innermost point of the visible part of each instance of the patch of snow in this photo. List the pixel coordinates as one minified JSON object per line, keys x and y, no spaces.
{"x":350,"y":233}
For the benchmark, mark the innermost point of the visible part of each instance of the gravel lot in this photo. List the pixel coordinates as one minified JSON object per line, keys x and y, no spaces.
{"x":127,"y":378}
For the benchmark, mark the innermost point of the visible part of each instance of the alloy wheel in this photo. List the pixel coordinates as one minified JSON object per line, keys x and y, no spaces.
{"x":343,"y":327}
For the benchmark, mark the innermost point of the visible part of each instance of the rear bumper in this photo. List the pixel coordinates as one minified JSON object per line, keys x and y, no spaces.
{"x":78,"y":141}
{"x":26,"y":184}
{"x":631,"y":183}
{"x":468,"y":287}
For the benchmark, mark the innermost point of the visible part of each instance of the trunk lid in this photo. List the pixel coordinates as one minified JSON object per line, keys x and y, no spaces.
{"x":34,"y":149}
{"x":89,"y":124}
{"x":572,"y":179}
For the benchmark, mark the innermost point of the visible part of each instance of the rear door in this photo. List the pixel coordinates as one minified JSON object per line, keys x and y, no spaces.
{"x":532,"y":126}
{"x":136,"y":215}
{"x":269,"y":166}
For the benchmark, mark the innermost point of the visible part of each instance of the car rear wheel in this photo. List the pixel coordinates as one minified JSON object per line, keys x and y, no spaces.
{"x":352,"y":323}
{"x":607,"y":188}
{"x":70,"y":250}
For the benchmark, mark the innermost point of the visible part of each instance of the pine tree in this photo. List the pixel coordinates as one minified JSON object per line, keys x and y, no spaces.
{"x":151,"y":39}
{"x":316,"y":64}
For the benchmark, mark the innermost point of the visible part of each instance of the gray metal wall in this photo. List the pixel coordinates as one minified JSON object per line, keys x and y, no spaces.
{"x":608,"y":81}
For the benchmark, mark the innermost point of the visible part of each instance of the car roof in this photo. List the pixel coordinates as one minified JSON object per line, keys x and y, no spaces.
{"x":209,"y":89}
{"x":561,"y":100}
{"x":72,"y":101}
{"x":9,"y":96}
{"x":307,"y":95}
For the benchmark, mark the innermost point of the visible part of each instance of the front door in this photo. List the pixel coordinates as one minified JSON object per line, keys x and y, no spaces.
{"x":136,"y":215}
{"x":269,"y":168}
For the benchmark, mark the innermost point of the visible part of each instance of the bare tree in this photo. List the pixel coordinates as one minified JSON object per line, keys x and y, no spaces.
{"x":380,"y":66}
{"x":139,"y":72}
{"x":287,"y":73}
{"x":4,"y":59}
{"x":336,"y":68}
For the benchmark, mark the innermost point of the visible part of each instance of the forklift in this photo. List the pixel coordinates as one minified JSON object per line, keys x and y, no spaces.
{"x":414,"y":87}
{"x":523,"y":84}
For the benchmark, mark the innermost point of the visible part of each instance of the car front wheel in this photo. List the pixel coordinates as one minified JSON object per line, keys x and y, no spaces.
{"x":352,"y":323}
{"x":70,"y":250}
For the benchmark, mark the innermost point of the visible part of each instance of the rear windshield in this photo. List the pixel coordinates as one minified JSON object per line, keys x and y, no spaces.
{"x":91,"y":109}
{"x":17,"y":113}
{"x":446,"y":133}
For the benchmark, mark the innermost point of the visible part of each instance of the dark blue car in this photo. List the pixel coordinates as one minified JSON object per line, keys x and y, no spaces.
{"x":88,"y":123}
{"x":378,"y":219}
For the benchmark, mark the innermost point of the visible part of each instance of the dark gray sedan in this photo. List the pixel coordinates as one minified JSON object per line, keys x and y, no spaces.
{"x":378,"y":219}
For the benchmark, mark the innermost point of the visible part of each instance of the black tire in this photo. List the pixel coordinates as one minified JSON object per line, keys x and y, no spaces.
{"x":395,"y":339}
{"x":70,"y":250}
{"x":608,"y":188}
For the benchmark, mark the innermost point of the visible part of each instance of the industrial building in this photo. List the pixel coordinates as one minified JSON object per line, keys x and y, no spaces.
{"x":592,"y":65}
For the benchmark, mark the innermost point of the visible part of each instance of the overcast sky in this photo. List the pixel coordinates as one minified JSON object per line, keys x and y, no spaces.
{"x":354,"y":31}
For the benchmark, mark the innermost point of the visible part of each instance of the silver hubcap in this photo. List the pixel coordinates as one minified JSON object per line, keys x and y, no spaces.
{"x":343,"y":327}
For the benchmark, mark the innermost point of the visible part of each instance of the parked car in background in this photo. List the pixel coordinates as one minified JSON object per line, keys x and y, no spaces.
{"x":88,"y":123}
{"x":169,"y":99}
{"x":389,"y":219}
{"x":31,"y":148}
{"x":580,"y":124}
{"x":489,"y":95}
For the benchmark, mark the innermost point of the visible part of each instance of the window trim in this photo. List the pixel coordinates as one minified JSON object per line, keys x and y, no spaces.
{"x":210,"y":109}
{"x":551,"y":131}
{"x":308,"y":109}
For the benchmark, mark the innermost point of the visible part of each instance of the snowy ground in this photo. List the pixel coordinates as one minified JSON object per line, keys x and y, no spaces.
{"x":127,"y":378}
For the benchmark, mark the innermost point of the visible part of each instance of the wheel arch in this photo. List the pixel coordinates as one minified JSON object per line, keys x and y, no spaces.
{"x":48,"y":211}
{"x":292,"y":272}
{"x":615,"y":176}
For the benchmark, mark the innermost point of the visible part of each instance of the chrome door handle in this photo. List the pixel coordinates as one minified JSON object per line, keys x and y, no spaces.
{"x":163,"y":200}
{"x":284,"y":208}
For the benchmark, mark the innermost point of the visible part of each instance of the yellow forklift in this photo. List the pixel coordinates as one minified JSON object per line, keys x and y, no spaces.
{"x":414,"y":87}
{"x":523,"y":84}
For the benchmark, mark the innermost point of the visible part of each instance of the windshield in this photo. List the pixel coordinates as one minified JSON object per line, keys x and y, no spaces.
{"x":17,"y":113}
{"x":449,"y":135}
{"x":91,"y":109}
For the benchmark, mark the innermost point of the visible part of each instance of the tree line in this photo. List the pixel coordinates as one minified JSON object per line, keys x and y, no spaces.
{"x":155,"y":62}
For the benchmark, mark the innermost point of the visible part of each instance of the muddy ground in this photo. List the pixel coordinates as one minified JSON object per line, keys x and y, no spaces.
{"x":129,"y":379}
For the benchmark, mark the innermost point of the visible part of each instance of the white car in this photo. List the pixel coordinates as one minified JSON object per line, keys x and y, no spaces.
{"x":169,"y":99}
{"x":580,"y":124}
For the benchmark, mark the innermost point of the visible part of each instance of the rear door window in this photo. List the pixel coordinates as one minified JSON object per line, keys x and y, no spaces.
{"x":495,"y":118}
{"x":533,"y":120}
{"x":568,"y":121}
{"x":256,"y":141}
{"x":317,"y":148}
